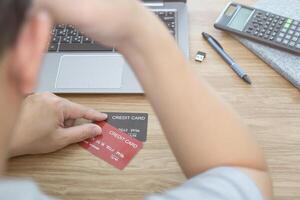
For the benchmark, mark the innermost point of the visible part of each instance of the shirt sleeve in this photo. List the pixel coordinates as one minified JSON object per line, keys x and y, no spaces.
{"x":222,"y":183}
{"x":21,"y":190}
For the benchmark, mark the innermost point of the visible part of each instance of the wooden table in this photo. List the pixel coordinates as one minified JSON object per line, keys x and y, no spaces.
{"x":271,"y":108}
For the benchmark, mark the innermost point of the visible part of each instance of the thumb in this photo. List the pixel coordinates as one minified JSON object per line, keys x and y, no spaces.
{"x":79,"y":133}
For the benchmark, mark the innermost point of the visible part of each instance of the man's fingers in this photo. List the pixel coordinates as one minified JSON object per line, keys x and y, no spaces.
{"x":75,"y":111}
{"x":79,"y":133}
{"x":69,"y":123}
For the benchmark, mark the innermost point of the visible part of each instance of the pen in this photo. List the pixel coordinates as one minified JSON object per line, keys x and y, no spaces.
{"x":219,"y":49}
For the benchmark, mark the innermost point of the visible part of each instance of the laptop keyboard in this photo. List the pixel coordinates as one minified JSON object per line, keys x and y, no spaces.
{"x":66,"y":38}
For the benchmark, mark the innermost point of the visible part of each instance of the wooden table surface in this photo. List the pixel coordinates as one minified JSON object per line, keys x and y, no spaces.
{"x":270,"y":107}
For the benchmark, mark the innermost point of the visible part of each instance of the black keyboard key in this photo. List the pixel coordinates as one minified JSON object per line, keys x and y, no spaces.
{"x":66,"y":39}
{"x":61,"y":32}
{"x":168,"y":19}
{"x":77,"y":39}
{"x":72,"y":32}
{"x":55,"y":39}
{"x":86,"y":40}
{"x":53,"y":32}
{"x":53,"y":48}
{"x":83,"y":47}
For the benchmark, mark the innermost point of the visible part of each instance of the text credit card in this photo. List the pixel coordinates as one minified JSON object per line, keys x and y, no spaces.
{"x":113,"y":146}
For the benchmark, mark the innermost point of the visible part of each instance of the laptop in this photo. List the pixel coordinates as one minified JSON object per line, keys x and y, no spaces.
{"x":75,"y":63}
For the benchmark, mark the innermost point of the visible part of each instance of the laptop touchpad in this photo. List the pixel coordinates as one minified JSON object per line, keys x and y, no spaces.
{"x":90,"y":71}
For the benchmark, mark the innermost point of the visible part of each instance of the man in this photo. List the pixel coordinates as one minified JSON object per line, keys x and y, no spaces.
{"x":221,"y":159}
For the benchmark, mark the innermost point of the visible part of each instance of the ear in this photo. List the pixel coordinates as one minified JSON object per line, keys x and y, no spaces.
{"x":27,"y":53}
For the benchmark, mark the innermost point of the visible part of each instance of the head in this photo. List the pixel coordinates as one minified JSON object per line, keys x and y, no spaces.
{"x":23,"y":39}
{"x":24,"y":36}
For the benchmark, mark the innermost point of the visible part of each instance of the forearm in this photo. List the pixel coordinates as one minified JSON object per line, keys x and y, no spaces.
{"x":203,"y":131}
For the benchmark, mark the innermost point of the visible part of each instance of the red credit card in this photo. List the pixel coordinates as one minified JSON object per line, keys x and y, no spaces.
{"x":114,"y":146}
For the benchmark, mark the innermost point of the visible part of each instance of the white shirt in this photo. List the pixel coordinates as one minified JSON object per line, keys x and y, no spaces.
{"x":222,"y":183}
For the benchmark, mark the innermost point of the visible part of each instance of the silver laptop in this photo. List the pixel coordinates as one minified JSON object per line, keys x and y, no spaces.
{"x":76,"y":64}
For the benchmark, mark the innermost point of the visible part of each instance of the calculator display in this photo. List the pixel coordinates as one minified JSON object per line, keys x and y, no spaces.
{"x":240,"y":19}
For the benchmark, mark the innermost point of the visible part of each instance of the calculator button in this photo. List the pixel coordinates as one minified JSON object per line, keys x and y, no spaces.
{"x":298,"y":46}
{"x":297,"y":34}
{"x":288,"y":37}
{"x":293,"y":27}
{"x":55,"y":39}
{"x":287,"y":25}
{"x":278,"y":39}
{"x":295,"y":39}
{"x":292,"y":44}
{"x":273,"y":34}
{"x":281,"y":34}
{"x":298,"y":29}
{"x":260,"y":35}
{"x":289,"y":21}
{"x":285,"y":41}
{"x":291,"y":32}
{"x":284,"y":30}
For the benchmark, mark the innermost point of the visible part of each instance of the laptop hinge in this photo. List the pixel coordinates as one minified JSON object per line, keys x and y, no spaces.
{"x":154,"y":4}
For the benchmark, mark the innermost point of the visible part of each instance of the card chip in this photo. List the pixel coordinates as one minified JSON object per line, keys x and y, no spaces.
{"x":200,"y":56}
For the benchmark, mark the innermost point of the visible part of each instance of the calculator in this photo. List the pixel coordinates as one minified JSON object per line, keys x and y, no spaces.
{"x":261,"y":26}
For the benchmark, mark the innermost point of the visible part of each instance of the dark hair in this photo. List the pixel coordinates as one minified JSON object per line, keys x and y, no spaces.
{"x":12,"y":17}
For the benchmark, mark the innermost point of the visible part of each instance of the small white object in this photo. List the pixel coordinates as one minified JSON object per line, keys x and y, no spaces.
{"x":200,"y":56}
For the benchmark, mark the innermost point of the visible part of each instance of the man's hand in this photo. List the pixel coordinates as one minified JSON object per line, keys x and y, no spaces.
{"x":46,"y":124}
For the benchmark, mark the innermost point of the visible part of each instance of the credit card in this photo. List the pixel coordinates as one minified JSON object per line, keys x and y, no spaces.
{"x":113,"y":146}
{"x":134,"y":124}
